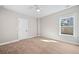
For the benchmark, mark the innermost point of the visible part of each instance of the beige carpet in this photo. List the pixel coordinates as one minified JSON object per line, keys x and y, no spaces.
{"x":38,"y":46}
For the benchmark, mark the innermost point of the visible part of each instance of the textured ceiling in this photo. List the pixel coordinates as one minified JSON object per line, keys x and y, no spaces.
{"x":30,"y":10}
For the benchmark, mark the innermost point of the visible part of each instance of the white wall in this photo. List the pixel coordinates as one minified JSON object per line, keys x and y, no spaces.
{"x":32,"y":25}
{"x":50,"y":25}
{"x":78,"y":25}
{"x":9,"y":25}
{"x":38,"y":26}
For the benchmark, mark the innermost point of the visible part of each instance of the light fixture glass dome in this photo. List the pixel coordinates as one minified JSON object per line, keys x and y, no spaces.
{"x":38,"y":10}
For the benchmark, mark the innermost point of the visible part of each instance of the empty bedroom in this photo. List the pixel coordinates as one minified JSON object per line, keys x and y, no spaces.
{"x":39,"y":29}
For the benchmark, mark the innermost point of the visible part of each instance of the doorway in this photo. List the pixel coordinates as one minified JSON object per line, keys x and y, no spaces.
{"x":22,"y":28}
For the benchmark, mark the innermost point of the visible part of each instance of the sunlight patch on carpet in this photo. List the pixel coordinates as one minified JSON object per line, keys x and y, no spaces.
{"x":48,"y":41}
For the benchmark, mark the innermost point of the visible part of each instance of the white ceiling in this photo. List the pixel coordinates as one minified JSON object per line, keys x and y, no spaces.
{"x":30,"y":10}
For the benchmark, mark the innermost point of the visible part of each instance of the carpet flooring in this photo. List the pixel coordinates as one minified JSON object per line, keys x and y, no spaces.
{"x":39,"y":45}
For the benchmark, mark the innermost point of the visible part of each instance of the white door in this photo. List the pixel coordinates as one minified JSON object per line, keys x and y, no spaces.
{"x":23,"y":28}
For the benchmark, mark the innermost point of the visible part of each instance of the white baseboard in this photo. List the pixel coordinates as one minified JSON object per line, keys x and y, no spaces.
{"x":14,"y":41}
{"x":73,"y":43}
{"x":36,"y":36}
{"x":9,"y":42}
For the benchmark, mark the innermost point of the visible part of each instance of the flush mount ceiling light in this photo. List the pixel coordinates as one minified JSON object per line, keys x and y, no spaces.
{"x":38,"y":10}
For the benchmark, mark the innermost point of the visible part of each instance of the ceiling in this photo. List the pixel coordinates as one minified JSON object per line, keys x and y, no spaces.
{"x":30,"y":10}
